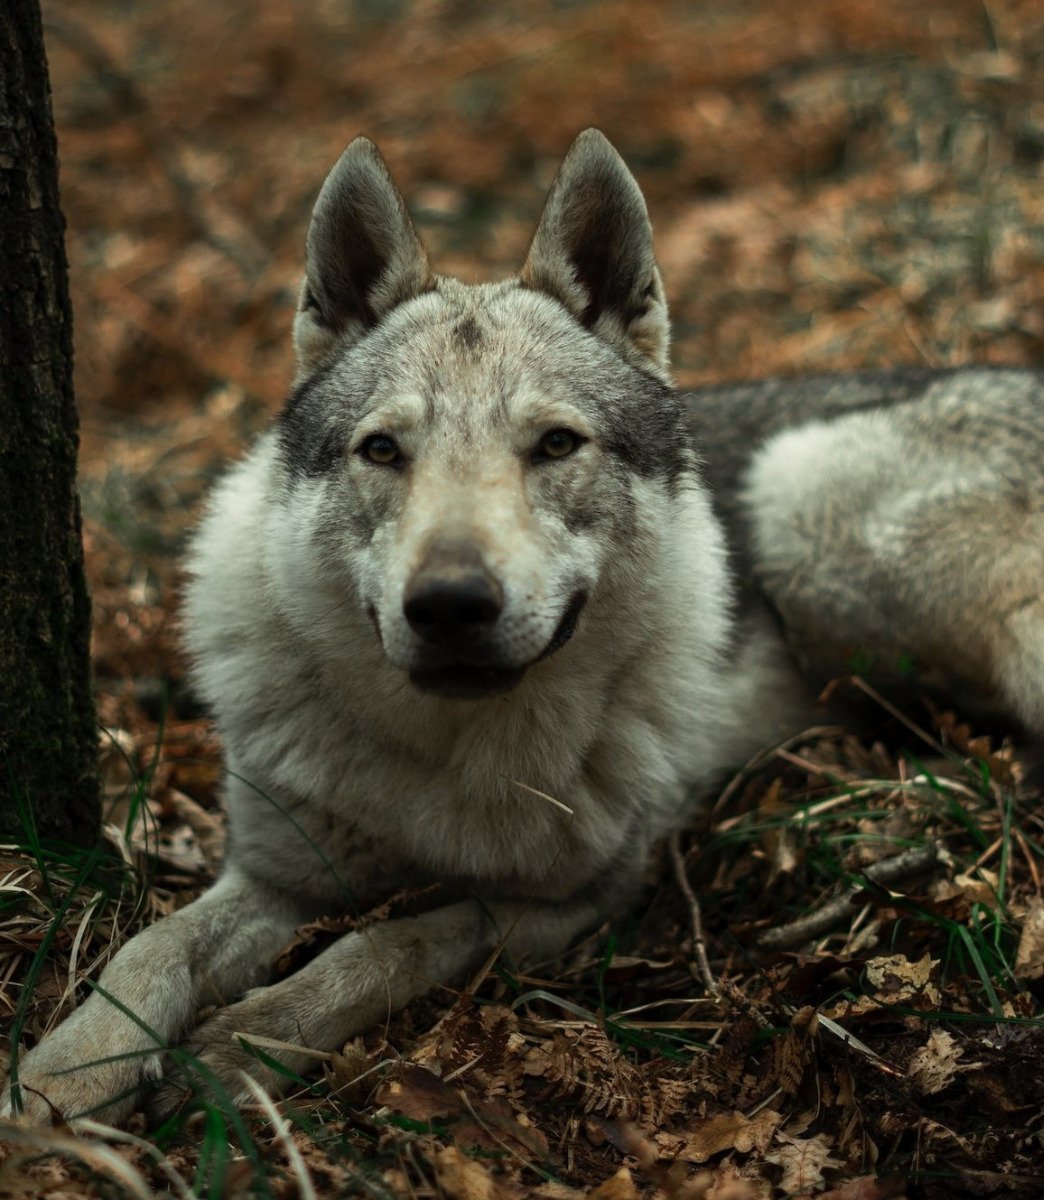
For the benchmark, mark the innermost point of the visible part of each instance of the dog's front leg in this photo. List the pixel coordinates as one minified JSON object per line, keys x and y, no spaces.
{"x":209,"y":951}
{"x":363,"y":978}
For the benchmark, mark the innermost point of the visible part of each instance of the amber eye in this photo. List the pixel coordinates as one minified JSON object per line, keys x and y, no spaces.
{"x":380,"y":449}
{"x":558,"y":443}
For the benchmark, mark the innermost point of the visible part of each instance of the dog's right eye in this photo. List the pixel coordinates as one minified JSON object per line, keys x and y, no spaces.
{"x":382,"y":450}
{"x":557,"y":443}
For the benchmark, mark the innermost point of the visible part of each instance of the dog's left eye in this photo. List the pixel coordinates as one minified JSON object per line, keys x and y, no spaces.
{"x":382,"y":450}
{"x":558,"y":443}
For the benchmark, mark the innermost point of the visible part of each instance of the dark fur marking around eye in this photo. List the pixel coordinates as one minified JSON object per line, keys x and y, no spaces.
{"x":647,"y":429}
{"x":308,"y":446}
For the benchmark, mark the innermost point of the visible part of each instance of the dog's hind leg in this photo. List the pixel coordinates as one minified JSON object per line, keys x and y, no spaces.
{"x":363,"y":978}
{"x":910,"y":544}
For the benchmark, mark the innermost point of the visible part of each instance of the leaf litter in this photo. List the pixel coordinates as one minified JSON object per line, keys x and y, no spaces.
{"x":841,"y":184}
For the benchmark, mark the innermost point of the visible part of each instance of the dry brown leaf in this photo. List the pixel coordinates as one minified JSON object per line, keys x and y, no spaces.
{"x":897,"y":980}
{"x":725,"y":1131}
{"x":617,"y":1187}
{"x":999,"y":762}
{"x":349,"y":1072}
{"x":417,"y":1093}
{"x":587,"y":1068}
{"x":933,"y":1067}
{"x":980,"y":888}
{"x":731,"y":1182}
{"x":314,"y":936}
{"x":786,"y":1060}
{"x":800,"y":1122}
{"x":463,"y":1178}
{"x":803,"y":1161}
{"x":308,"y":939}
{"x":479,"y":1041}
{"x":1029,"y":959}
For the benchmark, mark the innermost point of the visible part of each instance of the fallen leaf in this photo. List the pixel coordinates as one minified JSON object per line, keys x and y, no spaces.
{"x":586,"y":1067}
{"x":463,"y":1178}
{"x":617,"y":1187}
{"x":730,"y":1182}
{"x":725,"y":1131}
{"x":999,"y":762}
{"x":349,"y":1072}
{"x":897,"y":980}
{"x":1029,"y":959}
{"x":803,"y":1161}
{"x":933,"y":1067}
{"x":418,"y":1094}
{"x":980,"y":888}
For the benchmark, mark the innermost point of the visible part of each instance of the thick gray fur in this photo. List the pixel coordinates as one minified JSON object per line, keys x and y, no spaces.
{"x":899,"y":514}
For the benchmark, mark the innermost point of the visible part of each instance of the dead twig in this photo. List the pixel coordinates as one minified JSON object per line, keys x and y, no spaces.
{"x":901,"y":717}
{"x":887,"y":871}
{"x":699,"y":942}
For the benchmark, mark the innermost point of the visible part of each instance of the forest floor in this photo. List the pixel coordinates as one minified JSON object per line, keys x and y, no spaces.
{"x":834,"y":184}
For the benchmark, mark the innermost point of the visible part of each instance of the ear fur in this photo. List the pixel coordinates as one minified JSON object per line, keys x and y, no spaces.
{"x":363,"y":255}
{"x":593,"y":252}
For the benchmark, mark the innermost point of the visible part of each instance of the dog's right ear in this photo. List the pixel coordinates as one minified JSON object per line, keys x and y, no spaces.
{"x":363,"y":256}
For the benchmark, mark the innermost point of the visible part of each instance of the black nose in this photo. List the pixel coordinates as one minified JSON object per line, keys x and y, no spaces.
{"x":449,"y":602}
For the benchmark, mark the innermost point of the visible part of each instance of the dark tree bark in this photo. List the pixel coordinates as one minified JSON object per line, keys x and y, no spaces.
{"x":47,"y":725}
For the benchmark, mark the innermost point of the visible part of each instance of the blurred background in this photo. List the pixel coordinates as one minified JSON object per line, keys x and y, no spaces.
{"x":833,"y":183}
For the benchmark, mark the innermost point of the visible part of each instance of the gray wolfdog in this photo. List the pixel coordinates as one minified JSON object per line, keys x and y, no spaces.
{"x":491,"y":600}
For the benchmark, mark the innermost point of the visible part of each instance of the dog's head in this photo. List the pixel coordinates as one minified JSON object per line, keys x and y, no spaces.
{"x":474,"y":463}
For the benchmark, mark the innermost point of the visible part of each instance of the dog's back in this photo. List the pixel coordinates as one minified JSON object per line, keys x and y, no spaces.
{"x":895,"y":521}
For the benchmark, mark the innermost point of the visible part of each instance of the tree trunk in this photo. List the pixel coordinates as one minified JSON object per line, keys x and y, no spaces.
{"x":47,"y":725}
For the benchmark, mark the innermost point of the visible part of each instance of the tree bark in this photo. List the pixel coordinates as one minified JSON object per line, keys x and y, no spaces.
{"x":47,"y":725}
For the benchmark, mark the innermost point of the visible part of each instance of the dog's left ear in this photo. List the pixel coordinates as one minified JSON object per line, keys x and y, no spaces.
{"x":363,"y":255}
{"x":593,"y":252}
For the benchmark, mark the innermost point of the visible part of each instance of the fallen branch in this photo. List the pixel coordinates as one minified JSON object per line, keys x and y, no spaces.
{"x":887,"y":871}
{"x":699,"y":943}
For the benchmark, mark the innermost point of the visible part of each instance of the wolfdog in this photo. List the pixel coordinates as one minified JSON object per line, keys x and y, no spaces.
{"x":491,"y":602}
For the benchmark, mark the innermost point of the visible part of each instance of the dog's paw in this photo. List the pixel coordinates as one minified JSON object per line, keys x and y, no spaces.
{"x":75,"y":1072}
{"x":213,"y":1061}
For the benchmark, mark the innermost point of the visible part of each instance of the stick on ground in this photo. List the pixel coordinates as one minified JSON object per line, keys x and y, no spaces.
{"x":699,"y":943}
{"x":888,"y":870}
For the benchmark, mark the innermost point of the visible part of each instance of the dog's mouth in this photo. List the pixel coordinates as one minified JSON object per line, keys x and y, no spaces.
{"x":476,"y":680}
{"x":566,"y":627}
{"x":465,"y":681}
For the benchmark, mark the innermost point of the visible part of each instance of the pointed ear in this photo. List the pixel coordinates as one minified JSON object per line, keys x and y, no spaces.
{"x":593,"y":252}
{"x":363,"y":255}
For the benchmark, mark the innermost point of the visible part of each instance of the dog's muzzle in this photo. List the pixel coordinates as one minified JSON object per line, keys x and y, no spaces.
{"x":456,"y":619}
{"x":452,"y":610}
